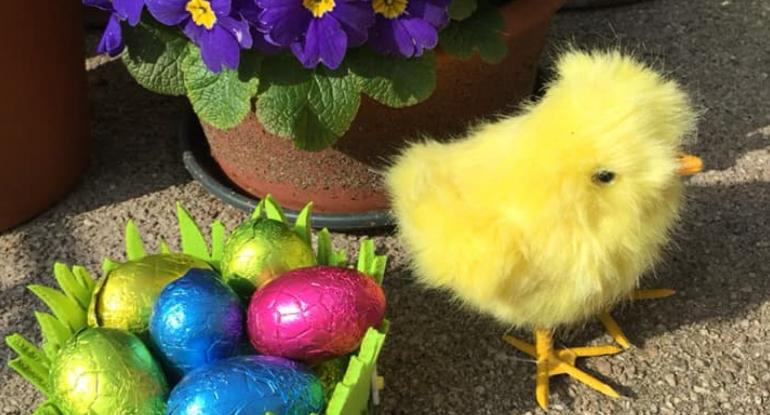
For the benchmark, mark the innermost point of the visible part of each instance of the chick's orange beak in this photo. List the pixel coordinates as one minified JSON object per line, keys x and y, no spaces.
{"x":689,"y":165}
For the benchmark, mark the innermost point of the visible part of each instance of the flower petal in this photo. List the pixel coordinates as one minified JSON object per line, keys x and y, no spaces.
{"x":111,"y":42}
{"x":218,"y":48}
{"x":263,"y":44}
{"x":324,"y":42}
{"x":286,"y":25}
{"x":355,"y":17}
{"x":168,"y":12}
{"x":239,"y":29}
{"x":100,"y":4}
{"x":389,"y":37}
{"x":269,"y":4}
{"x":221,"y":7}
{"x":435,"y":12}
{"x":423,"y":34}
{"x":130,"y":10}
{"x":248,"y":9}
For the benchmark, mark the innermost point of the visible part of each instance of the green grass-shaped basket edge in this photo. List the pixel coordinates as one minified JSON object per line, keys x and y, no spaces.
{"x":69,"y":304}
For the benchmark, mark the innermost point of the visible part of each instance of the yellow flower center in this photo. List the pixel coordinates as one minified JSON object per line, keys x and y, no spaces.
{"x":201,"y":13}
{"x":319,"y":7}
{"x":390,"y":8}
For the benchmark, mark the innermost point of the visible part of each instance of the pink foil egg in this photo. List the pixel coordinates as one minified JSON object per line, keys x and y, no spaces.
{"x":314,"y":313}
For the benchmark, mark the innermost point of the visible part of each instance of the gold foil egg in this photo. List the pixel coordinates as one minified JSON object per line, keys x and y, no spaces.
{"x":258,"y":251}
{"x":124,"y":298}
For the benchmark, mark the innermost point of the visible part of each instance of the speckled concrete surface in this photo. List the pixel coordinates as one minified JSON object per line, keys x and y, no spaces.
{"x":706,"y":350}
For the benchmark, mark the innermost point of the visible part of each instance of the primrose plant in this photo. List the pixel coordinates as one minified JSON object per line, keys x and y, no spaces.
{"x":302,"y":65}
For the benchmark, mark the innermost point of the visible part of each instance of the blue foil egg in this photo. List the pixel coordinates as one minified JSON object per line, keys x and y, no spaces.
{"x":197,"y":320}
{"x":248,"y":385}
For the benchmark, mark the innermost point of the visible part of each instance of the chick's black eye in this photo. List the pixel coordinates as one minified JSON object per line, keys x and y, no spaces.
{"x":604,"y":177}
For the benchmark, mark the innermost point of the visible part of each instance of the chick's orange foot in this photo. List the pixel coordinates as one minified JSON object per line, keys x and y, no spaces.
{"x":552,"y":362}
{"x":612,"y":327}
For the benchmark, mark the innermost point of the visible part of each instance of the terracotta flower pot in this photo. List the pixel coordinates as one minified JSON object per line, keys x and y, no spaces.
{"x":344,"y":178}
{"x":43,"y":147}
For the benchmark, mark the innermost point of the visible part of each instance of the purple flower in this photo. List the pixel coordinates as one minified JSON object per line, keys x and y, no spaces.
{"x":317,"y":31}
{"x":249,"y":11}
{"x":210,"y":25}
{"x":120,"y":10}
{"x":407,"y":27}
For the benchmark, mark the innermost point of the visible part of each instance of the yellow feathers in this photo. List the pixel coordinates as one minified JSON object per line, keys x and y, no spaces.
{"x":550,"y":216}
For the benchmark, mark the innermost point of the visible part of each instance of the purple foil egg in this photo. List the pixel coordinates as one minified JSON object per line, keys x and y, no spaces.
{"x":314,"y":313}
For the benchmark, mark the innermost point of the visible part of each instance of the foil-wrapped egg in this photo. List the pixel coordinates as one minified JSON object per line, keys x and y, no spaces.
{"x":197,"y":320}
{"x":105,"y":372}
{"x":248,"y":385}
{"x":260,"y":249}
{"x":331,"y":372}
{"x":314,"y":313}
{"x":124,"y":298}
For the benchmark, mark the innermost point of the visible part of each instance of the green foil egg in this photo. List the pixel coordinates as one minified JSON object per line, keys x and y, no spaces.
{"x":258,"y":251}
{"x":107,"y":371}
{"x":331,"y":372}
{"x":123,"y":299}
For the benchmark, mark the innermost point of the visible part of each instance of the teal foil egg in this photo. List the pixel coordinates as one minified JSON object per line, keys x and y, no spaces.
{"x":107,"y":372}
{"x":248,"y":385}
{"x":197,"y":320}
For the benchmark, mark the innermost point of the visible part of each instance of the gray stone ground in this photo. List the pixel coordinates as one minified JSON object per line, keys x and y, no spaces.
{"x":706,"y":350}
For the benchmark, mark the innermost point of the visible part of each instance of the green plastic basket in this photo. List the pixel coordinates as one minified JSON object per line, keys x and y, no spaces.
{"x":355,"y":394}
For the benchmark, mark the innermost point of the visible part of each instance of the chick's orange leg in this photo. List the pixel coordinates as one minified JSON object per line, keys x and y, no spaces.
{"x":612,"y":326}
{"x":614,"y":330}
{"x":652,"y":294}
{"x":557,"y":362}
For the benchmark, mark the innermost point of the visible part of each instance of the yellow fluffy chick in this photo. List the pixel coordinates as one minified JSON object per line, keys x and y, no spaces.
{"x":549,"y":217}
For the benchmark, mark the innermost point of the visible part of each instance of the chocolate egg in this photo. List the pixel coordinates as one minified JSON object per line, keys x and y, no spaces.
{"x":331,"y":372}
{"x":107,"y":371}
{"x":314,"y":313}
{"x":124,"y":298}
{"x":248,"y":385}
{"x":197,"y":320}
{"x":259,"y":250}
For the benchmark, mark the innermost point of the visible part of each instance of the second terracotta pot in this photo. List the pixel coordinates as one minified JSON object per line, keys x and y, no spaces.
{"x":43,"y":110}
{"x":345,"y":178}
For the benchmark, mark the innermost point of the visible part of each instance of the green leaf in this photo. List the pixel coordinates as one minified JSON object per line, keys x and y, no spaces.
{"x":370,"y":263}
{"x":365,"y":256}
{"x":108,"y":265}
{"x":71,"y":285}
{"x":392,"y":81}
{"x":221,"y":99}
{"x":302,"y":224}
{"x":258,"y":210}
{"x":312,"y":107}
{"x":218,"y":240}
{"x":324,"y":251}
{"x":134,"y":245}
{"x":154,"y":55}
{"x":32,"y":372}
{"x":273,"y":210}
{"x":462,"y":9}
{"x":351,"y":395}
{"x":54,"y":332}
{"x":164,"y":248}
{"x":47,"y":408}
{"x":193,"y":242}
{"x":64,"y":308}
{"x":84,"y":279}
{"x":25,"y":349}
{"x":482,"y":33}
